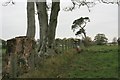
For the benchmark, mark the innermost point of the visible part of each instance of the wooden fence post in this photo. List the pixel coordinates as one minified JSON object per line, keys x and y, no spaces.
{"x":63,"y":45}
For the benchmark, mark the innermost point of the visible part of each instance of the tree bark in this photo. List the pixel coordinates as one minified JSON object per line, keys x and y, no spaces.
{"x":47,"y":32}
{"x":43,"y":22}
{"x":30,"y":20}
{"x":53,"y":23}
{"x":19,"y":55}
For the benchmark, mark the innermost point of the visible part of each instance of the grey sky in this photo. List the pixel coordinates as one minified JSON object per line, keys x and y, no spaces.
{"x":103,"y":19}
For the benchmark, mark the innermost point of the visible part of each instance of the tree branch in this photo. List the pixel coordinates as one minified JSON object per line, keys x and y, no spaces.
{"x":8,"y":2}
{"x":89,"y":4}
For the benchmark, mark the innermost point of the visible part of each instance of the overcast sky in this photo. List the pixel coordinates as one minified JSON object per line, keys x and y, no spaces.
{"x":103,"y":19}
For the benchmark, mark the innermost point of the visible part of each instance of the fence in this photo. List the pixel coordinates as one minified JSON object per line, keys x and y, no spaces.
{"x":67,"y":44}
{"x":21,"y":57}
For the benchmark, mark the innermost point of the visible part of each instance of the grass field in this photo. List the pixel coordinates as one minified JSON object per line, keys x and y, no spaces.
{"x":93,"y":62}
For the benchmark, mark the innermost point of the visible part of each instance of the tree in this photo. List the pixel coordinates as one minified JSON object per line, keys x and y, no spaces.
{"x":8,"y":2}
{"x":118,"y":41}
{"x":100,"y":39}
{"x":30,"y":20}
{"x":114,"y":41}
{"x":43,"y":22}
{"x":53,"y":23}
{"x":2,"y":44}
{"x":89,"y":4}
{"x":47,"y":31}
{"x":87,"y":41}
{"x":80,"y":23}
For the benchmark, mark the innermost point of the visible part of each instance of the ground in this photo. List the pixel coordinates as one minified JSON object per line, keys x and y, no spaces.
{"x":93,"y":62}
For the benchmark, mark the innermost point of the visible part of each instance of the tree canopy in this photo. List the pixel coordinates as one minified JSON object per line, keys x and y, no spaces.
{"x":80,"y":23}
{"x":100,"y":39}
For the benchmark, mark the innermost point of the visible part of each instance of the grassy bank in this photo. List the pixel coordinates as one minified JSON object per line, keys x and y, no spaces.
{"x":93,"y":62}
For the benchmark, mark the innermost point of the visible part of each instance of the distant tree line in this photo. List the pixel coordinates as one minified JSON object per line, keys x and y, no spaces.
{"x":99,"y":39}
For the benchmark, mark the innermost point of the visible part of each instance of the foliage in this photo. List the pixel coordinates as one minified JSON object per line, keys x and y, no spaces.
{"x":2,"y":44}
{"x":100,"y":39}
{"x":114,"y":40}
{"x":118,"y":41}
{"x":87,"y":41}
{"x":80,"y":23}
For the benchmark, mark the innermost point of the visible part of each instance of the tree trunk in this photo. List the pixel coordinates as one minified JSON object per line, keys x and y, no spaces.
{"x":47,"y":33}
{"x":53,"y":23}
{"x":84,"y":35}
{"x":30,"y":20}
{"x":43,"y":22}
{"x":19,"y":56}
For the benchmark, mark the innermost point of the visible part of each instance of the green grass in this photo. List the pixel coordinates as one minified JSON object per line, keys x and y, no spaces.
{"x":93,"y":62}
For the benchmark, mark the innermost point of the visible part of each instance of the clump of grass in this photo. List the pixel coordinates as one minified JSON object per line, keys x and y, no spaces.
{"x":52,"y":67}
